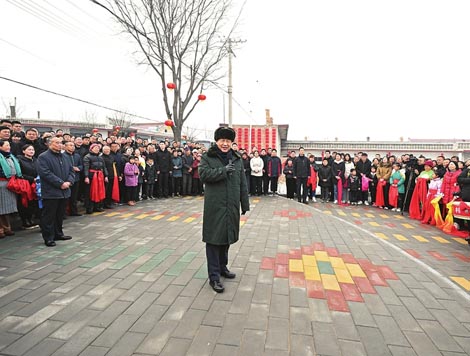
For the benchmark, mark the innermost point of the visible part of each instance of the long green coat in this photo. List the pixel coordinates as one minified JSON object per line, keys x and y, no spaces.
{"x":223,"y":194}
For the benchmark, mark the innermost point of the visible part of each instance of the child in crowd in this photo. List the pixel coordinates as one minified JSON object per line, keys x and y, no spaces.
{"x":354,"y":187}
{"x":373,"y":184}
{"x":131,"y":177}
{"x":397,"y":180}
{"x":150,"y":177}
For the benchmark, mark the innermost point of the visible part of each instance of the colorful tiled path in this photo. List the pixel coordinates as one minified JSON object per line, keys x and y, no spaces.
{"x":311,"y":280}
{"x":327,"y":274}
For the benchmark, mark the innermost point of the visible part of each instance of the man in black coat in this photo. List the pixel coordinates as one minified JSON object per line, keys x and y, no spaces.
{"x":77,"y":166}
{"x":301,"y":174}
{"x":110,"y":165}
{"x":164,"y":168}
{"x":57,"y":177}
{"x":363,"y":167}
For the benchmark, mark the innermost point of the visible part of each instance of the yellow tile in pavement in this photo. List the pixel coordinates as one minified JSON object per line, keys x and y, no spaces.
{"x":322,"y":256}
{"x":242,"y":223}
{"x":98,"y":213}
{"x":127,"y":215}
{"x":399,"y":217}
{"x":408,"y":226}
{"x":188,"y":220}
{"x":312,"y":273}
{"x":441,"y":240}
{"x":158,"y":217}
{"x":460,"y":240}
{"x":112,"y":214}
{"x":309,"y":260}
{"x":142,"y":216}
{"x":330,"y":282}
{"x":343,"y":276}
{"x":384,"y":216}
{"x":342,"y":213}
{"x":355,"y":270}
{"x":373,"y":223}
{"x":327,"y":212}
{"x":337,"y":262}
{"x":173,"y":218}
{"x":356,"y":215}
{"x":381,"y":235}
{"x":464,"y":283}
{"x":400,"y":237}
{"x":420,"y":238}
{"x":296,"y":266}
{"x":255,"y":200}
{"x":369,"y":215}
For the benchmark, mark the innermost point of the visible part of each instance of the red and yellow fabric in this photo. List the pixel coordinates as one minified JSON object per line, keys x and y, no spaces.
{"x":97,"y":190}
{"x":418,"y":198}
{"x":379,"y":197}
{"x":393,"y":194}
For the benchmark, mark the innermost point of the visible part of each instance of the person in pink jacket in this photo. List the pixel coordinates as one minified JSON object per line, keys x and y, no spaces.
{"x":131,"y":176}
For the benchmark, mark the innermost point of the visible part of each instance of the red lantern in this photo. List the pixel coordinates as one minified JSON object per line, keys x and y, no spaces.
{"x":202,"y":97}
{"x":95,"y":130}
{"x":171,"y":86}
{"x":169,"y":123}
{"x":117,"y":128}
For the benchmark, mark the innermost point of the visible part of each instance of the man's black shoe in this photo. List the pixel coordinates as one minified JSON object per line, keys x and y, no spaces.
{"x":50,"y":243}
{"x":305,"y":202}
{"x":76,"y":214}
{"x":99,"y":210}
{"x":228,"y":274}
{"x":89,"y":211}
{"x":217,"y":286}
{"x":108,"y":207}
{"x":65,"y":237}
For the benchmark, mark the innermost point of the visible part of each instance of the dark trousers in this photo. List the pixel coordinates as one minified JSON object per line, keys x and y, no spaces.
{"x":177,"y":185}
{"x":290,"y":185}
{"x":248,"y":183}
{"x":197,"y":186}
{"x":74,"y":189}
{"x":302,"y":187}
{"x":108,"y":201}
{"x":130,"y":193}
{"x":90,"y":205}
{"x":265,"y":184}
{"x":26,"y":213}
{"x":257,"y":185}
{"x":325,"y":193}
{"x":353,"y":196}
{"x":364,"y":196}
{"x":187,"y":184}
{"x":52,"y":218}
{"x":163,"y":184}
{"x":150,"y":187}
{"x":273,"y":184}
{"x":217,"y":259}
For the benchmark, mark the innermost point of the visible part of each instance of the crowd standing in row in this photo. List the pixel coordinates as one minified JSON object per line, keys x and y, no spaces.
{"x":101,"y":172}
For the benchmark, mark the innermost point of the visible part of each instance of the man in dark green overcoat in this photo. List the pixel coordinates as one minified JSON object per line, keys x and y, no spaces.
{"x":225,"y":192}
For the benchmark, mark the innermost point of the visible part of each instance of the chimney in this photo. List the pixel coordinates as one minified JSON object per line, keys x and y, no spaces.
{"x":39,"y":114}
{"x":269,"y":119}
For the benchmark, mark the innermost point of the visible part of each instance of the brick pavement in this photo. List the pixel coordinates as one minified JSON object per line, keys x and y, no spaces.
{"x":311,"y":280}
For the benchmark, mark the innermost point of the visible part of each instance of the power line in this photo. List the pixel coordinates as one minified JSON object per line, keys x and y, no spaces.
{"x":73,"y":98}
{"x":26,"y":51}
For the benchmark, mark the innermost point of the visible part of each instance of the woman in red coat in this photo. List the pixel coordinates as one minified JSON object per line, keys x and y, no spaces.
{"x":449,"y":183}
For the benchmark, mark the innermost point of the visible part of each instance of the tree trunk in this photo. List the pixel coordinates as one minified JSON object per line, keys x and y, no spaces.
{"x":176,"y":133}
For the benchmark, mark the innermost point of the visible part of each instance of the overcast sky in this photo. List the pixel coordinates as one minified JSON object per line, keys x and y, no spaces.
{"x":345,"y":69}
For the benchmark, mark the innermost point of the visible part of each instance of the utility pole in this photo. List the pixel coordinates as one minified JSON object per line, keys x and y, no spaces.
{"x":230,"y":87}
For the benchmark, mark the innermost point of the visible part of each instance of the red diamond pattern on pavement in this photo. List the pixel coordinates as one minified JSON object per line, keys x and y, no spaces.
{"x":351,"y":293}
{"x":413,"y":253}
{"x":461,"y":257}
{"x":336,"y":301}
{"x":437,"y":256}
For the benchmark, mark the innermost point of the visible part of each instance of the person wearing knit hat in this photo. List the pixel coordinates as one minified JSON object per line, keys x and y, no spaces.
{"x":96,"y":175}
{"x":428,"y":172}
{"x":225,"y":193}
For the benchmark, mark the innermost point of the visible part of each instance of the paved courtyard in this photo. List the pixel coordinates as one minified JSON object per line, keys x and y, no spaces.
{"x":311,"y":280}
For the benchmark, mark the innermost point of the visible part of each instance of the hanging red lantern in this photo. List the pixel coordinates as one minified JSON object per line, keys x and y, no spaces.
{"x":117,"y":128}
{"x":169,"y":123}
{"x":171,"y":86}
{"x":95,"y":130}
{"x":201,"y":97}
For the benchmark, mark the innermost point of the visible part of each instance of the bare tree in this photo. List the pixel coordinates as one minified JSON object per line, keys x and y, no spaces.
{"x":121,"y":119}
{"x":190,"y":134}
{"x":181,"y":41}
{"x":90,"y":119}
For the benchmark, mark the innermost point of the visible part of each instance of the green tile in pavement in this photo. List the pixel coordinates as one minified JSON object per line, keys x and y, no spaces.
{"x":325,"y":267}
{"x":131,"y":258}
{"x":156,"y":260}
{"x":69,"y":259}
{"x":105,"y":256}
{"x":181,"y":264}
{"x":202,"y":272}
{"x":188,"y":256}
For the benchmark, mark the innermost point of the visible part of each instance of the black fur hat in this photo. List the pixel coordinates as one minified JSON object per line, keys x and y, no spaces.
{"x":224,"y":132}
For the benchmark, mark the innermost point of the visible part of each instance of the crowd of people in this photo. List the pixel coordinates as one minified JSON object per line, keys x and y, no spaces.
{"x":43,"y":177}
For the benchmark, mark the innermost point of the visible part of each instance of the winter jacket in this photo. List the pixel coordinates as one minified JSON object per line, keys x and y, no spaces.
{"x":325,"y":176}
{"x":301,"y":167}
{"x":92,"y":161}
{"x":195,"y":167}
{"x":75,"y":161}
{"x":187,"y":163}
{"x":450,"y":185}
{"x":256,"y":165}
{"x":288,"y":171}
{"x":109,"y":162}
{"x":464,"y":182}
{"x":354,"y":183}
{"x":54,"y":169}
{"x":224,"y":194}
{"x":400,"y":178}
{"x":339,"y":169}
{"x":274,"y":167}
{"x":177,"y":164}
{"x":29,"y":168}
{"x":131,"y":175}
{"x":163,"y":161}
{"x":150,"y":174}
{"x":363,"y":168}
{"x":384,"y":171}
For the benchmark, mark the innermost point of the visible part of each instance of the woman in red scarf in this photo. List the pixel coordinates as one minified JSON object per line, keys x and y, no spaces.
{"x":96,"y":175}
